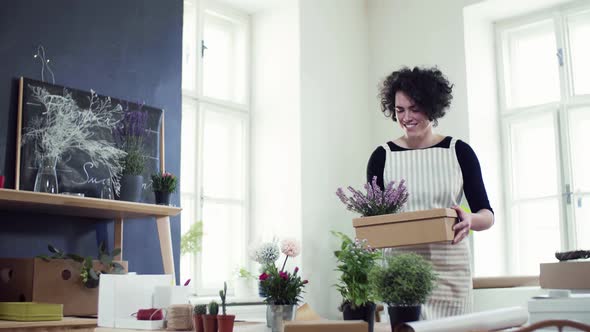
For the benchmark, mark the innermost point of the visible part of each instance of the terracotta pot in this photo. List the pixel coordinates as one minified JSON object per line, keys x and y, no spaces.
{"x":226,"y":323}
{"x":210,"y":323}
{"x":198,"y":323}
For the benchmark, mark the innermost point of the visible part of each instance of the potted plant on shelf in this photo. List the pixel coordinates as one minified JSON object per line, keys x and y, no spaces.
{"x":198,"y":312}
{"x":404,"y":283}
{"x":265,"y":254}
{"x":355,"y":260}
{"x":225,"y":322}
{"x":163,"y":184}
{"x":129,"y":135}
{"x":210,"y":321}
{"x":282,"y":289}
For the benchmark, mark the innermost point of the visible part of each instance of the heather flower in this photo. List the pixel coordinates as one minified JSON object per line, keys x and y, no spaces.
{"x":375,"y":201}
{"x":165,"y":182}
{"x":281,"y":287}
{"x":263,"y":276}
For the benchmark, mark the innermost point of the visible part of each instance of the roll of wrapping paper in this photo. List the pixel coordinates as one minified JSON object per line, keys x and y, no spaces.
{"x":150,"y":314}
{"x":179,"y":317}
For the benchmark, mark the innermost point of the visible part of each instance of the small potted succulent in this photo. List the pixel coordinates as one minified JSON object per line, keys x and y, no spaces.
{"x":355,"y":260}
{"x":210,"y":321}
{"x":198,"y":312}
{"x":163,"y":184}
{"x":404,"y":284}
{"x":225,"y":322}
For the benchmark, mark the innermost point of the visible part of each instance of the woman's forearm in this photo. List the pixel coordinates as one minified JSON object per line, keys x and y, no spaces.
{"x":482,"y":220}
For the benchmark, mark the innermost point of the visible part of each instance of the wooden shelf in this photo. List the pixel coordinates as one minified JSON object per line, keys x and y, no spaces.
{"x":20,"y":200}
{"x":505,"y":282}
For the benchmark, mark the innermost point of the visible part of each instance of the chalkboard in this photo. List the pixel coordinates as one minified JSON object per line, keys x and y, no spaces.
{"x":85,"y":164}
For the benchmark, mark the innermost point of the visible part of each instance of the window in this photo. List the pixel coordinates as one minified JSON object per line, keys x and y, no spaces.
{"x":215,"y":141}
{"x":544,"y":84}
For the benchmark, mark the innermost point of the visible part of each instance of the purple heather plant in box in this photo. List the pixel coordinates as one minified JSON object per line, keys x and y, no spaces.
{"x":376,"y":201}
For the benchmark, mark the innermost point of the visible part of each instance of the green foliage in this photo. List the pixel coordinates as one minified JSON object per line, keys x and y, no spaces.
{"x":407,"y":280}
{"x":165,"y":182}
{"x":355,"y":260}
{"x":200,"y":309}
{"x":223,"y":294}
{"x":213,"y":308}
{"x":190,"y":242}
{"x":134,"y":162}
{"x":245,"y":274}
{"x":90,"y":277}
{"x":281,"y":287}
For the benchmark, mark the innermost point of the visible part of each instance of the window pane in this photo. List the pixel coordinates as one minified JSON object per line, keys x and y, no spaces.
{"x":536,"y":234}
{"x":223,"y":243}
{"x":189,"y":47}
{"x":579,"y":38}
{"x":579,"y":122}
{"x":223,"y":153}
{"x":532,"y":73}
{"x":534,"y":157}
{"x":188,"y":165}
{"x":224,"y":72}
{"x":582,"y":222}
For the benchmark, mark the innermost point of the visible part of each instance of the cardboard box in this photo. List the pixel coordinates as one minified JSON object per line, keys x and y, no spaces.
{"x":326,"y":326}
{"x":56,"y":281}
{"x":407,"y":228}
{"x":565,"y":275}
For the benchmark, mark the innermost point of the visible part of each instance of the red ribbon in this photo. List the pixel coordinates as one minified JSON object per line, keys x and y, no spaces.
{"x":150,"y":314}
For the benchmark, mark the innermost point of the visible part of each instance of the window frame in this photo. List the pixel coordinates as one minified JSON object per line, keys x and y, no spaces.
{"x":226,"y":107}
{"x":559,"y":110}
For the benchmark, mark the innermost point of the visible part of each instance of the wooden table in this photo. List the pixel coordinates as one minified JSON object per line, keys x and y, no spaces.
{"x":67,"y":324}
{"x":95,"y":208}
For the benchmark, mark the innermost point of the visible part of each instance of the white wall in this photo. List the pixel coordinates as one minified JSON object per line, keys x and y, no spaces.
{"x":335,"y":132}
{"x":418,"y":33}
{"x":276,"y":124}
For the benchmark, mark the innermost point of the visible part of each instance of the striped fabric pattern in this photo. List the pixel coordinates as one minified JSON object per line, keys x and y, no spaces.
{"x":434,"y":180}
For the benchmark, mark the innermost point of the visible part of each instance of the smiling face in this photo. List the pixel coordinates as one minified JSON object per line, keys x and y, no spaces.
{"x":413,"y":122}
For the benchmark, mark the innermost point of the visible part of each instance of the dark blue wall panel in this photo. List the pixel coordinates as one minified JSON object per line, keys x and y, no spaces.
{"x":128,"y":49}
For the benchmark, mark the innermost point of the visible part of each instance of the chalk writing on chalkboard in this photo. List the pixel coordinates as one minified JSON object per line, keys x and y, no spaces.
{"x":77,"y":129}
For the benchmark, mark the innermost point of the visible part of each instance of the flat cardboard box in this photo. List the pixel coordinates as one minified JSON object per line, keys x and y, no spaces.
{"x":407,"y":228}
{"x":325,"y":325}
{"x":565,"y":275}
{"x":54,"y":281}
{"x":30,"y":311}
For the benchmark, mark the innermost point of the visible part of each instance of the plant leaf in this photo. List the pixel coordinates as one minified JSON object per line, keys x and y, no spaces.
{"x":53,"y":249}
{"x":116,"y":252}
{"x":101,"y":248}
{"x":93,"y":274}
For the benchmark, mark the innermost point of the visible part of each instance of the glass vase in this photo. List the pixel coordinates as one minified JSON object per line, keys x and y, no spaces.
{"x":278,"y":314}
{"x":46,"y":180}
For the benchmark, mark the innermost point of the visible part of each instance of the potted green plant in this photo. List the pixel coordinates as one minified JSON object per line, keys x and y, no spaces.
{"x":210,"y":321}
{"x":404,"y":283}
{"x":225,"y":322}
{"x":198,"y":312}
{"x":129,"y":135}
{"x":163,"y":184}
{"x":355,"y":260}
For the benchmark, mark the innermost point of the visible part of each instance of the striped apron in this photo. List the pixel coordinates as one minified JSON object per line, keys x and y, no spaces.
{"x":434,"y":180}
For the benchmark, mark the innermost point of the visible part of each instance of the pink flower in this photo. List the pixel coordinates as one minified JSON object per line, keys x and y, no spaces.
{"x":283,"y":275}
{"x":296,"y":269}
{"x":290,"y":247}
{"x":305,"y":281}
{"x":263,"y":276}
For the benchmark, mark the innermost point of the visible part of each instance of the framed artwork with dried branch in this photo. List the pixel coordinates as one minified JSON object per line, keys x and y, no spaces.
{"x":84,"y":134}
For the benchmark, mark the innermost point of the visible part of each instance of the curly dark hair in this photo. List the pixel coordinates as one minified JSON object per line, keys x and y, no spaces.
{"x":427,"y":87}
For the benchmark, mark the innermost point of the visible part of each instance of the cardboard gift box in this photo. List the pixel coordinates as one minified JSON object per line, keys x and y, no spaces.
{"x":325,"y":325}
{"x":407,"y":228}
{"x":54,"y":281}
{"x":565,"y":275}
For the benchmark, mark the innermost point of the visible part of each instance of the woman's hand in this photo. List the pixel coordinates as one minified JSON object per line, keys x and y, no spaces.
{"x":463,"y":226}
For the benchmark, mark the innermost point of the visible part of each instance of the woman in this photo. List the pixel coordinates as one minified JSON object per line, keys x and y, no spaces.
{"x":437,"y":170}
